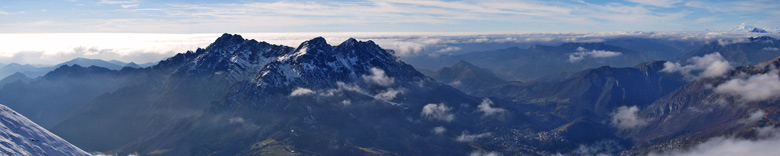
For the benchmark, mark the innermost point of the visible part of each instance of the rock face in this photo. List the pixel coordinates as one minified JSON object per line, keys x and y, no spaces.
{"x":20,"y":136}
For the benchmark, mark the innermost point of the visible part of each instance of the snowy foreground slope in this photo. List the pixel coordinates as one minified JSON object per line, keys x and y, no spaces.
{"x":20,"y":136}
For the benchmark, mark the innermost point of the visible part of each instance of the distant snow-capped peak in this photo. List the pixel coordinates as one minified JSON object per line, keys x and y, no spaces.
{"x":749,"y":28}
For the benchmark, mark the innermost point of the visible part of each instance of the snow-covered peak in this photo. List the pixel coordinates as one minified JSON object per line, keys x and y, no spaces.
{"x":748,"y":28}
{"x":315,"y":42}
{"x":743,"y":27}
{"x":315,"y":64}
{"x":20,"y":136}
{"x":348,"y":42}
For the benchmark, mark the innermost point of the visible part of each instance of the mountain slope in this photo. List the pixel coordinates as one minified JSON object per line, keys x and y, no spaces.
{"x":131,"y":65}
{"x":14,"y":78}
{"x":26,"y":69}
{"x":20,"y":136}
{"x":54,"y":96}
{"x":711,"y":107}
{"x":85,"y":62}
{"x":596,"y":91}
{"x":467,"y":77}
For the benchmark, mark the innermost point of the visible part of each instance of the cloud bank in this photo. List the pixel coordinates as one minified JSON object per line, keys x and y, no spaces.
{"x":142,"y":48}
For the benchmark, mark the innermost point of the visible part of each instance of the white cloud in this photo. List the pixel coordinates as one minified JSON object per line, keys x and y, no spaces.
{"x":754,"y":117}
{"x":465,"y":137}
{"x":301,"y":91}
{"x":771,"y":49}
{"x":246,"y":124}
{"x":603,"y":53}
{"x":376,"y":15}
{"x":763,"y":7}
{"x":346,"y":102}
{"x":768,"y":131}
{"x":437,"y":112}
{"x":659,"y":3}
{"x":725,"y":42}
{"x":236,"y":120}
{"x":448,"y":49}
{"x":342,"y":87}
{"x":484,"y":153}
{"x":139,"y":48}
{"x":484,"y":107}
{"x":754,"y":88}
{"x":627,"y":118}
{"x":764,"y":145}
{"x":378,"y":77}
{"x":129,"y":6}
{"x":709,"y":66}
{"x":582,"y":53}
{"x":439,"y":130}
{"x":388,"y":94}
{"x":575,"y":58}
{"x":116,"y":2}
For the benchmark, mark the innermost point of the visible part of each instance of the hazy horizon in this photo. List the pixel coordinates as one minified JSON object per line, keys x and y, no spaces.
{"x":153,"y":47}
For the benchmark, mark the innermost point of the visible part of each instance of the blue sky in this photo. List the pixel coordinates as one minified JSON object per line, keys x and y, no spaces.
{"x":201,"y":16}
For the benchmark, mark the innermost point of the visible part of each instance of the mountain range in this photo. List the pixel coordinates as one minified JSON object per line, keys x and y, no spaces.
{"x":749,"y":51}
{"x":240,"y":96}
{"x":34,"y":71}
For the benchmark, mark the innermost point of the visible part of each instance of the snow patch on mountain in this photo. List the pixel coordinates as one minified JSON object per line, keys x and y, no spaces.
{"x":20,"y":136}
